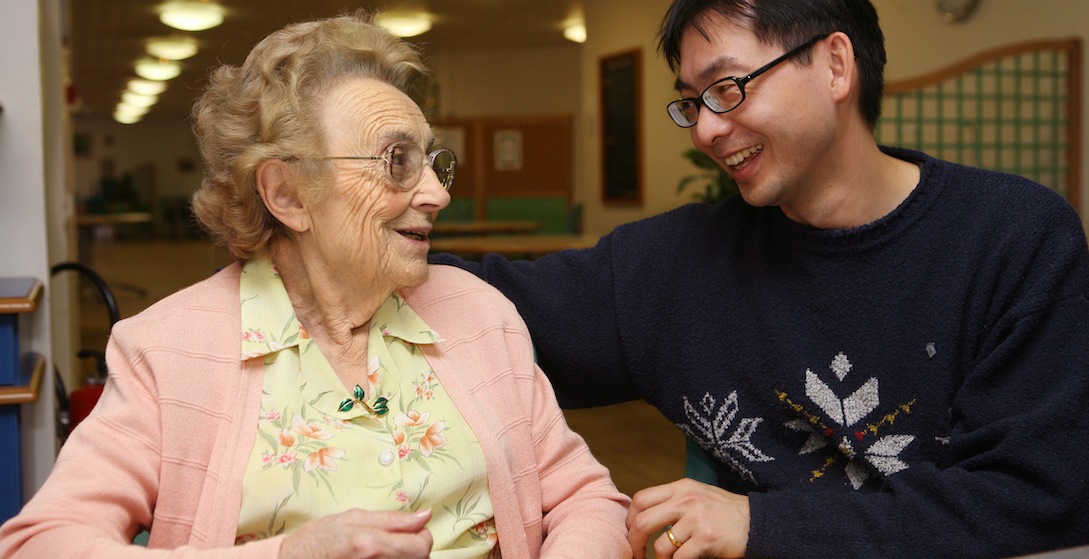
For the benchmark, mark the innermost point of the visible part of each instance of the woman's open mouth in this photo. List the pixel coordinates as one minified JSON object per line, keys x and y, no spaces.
{"x":414,"y":235}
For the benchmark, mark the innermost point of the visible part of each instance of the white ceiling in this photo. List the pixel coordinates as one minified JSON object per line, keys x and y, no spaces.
{"x":108,"y":36}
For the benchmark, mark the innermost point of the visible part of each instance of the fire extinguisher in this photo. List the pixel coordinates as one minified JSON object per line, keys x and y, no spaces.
{"x":71,"y":410}
{"x":84,"y":398}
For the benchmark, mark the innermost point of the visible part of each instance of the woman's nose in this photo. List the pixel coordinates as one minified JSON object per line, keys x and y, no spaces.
{"x":430,"y":193}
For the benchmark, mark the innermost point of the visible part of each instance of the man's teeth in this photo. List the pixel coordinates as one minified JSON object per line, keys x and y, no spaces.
{"x":414,"y":235}
{"x":741,"y":155}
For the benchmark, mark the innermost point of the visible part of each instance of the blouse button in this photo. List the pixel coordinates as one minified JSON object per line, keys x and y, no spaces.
{"x":386,"y":457}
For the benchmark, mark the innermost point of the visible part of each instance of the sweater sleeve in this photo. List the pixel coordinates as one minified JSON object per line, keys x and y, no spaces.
{"x":567,"y":300}
{"x":1013,"y":479}
{"x":584,"y":514}
{"x":104,"y":486}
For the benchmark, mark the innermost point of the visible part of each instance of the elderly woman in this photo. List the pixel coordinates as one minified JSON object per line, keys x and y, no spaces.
{"x":328,"y":395}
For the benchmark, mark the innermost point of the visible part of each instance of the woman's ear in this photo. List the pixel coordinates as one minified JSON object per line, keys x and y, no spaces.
{"x":280,"y":196}
{"x":844,"y":71}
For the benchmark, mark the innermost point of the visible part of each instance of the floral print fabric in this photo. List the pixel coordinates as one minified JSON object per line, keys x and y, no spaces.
{"x":398,"y":443}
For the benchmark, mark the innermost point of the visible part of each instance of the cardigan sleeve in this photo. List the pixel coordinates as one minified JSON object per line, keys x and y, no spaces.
{"x":105,"y":484}
{"x":584,"y":513}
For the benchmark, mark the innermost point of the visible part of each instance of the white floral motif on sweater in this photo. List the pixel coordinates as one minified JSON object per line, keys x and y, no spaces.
{"x":709,"y":429}
{"x":881,"y":455}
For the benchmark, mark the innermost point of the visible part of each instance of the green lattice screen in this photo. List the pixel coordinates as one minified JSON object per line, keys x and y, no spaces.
{"x":1014,"y":109}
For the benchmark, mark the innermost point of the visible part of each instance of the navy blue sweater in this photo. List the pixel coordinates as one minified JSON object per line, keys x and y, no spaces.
{"x":916,"y":387}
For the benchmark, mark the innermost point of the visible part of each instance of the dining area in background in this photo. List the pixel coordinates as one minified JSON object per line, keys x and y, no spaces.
{"x":513,"y":192}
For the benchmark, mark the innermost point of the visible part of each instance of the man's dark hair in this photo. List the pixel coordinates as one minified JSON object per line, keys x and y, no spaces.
{"x":789,"y":23}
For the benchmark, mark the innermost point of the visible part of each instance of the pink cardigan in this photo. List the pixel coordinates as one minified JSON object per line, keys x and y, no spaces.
{"x":166,"y":446}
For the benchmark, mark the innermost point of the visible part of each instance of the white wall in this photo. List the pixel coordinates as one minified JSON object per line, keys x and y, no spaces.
{"x":513,"y":82}
{"x":27,"y":134}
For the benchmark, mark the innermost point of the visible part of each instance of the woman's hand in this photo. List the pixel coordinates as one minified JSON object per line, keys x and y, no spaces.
{"x":360,"y":534}
{"x":707,"y":521}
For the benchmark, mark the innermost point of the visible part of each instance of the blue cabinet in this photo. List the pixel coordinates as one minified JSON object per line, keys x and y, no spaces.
{"x":21,"y":373}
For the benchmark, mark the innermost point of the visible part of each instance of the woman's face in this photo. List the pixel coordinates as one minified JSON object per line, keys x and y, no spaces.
{"x":371,"y":234}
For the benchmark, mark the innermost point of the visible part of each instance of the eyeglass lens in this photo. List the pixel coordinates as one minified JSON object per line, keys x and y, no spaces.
{"x":720,"y":97}
{"x":405,"y":161}
{"x":444,"y":163}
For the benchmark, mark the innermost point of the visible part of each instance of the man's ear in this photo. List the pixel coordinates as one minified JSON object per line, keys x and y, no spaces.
{"x":274,"y":183}
{"x":841,"y":62}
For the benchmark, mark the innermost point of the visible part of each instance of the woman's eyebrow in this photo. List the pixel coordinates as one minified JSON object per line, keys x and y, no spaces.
{"x":398,"y":136}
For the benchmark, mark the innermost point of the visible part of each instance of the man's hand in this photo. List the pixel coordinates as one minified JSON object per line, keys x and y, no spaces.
{"x":707,"y":521}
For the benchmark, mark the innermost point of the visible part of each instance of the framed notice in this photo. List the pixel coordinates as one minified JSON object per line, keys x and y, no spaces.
{"x":621,"y":128}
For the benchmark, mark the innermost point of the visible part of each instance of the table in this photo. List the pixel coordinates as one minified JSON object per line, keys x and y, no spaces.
{"x":92,"y":220}
{"x":86,"y":224}
{"x":533,"y":246}
{"x":484,"y":227}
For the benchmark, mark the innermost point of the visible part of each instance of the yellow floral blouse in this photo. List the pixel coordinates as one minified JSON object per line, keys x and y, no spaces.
{"x":398,"y":443}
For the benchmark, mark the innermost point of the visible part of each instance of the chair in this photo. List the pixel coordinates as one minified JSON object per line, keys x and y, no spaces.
{"x":84,"y":398}
{"x":698,"y":465}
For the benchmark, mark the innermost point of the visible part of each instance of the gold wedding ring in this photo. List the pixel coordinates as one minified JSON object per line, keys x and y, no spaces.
{"x":669,"y":534}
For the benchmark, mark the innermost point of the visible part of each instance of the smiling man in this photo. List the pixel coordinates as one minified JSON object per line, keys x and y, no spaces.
{"x":884,"y":354}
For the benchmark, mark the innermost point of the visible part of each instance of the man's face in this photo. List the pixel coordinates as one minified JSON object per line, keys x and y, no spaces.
{"x":773,"y":143}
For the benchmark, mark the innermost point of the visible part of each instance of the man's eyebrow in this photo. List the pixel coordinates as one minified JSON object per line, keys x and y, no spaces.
{"x":712,"y":71}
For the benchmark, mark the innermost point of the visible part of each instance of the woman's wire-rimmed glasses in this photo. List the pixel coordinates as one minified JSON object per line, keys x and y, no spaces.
{"x":405,"y":164}
{"x":726,"y":94}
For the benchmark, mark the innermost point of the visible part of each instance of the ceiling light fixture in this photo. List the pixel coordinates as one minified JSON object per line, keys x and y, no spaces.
{"x":146,"y":87}
{"x":405,"y":24}
{"x":128,"y":109}
{"x":127,"y":114}
{"x":575,"y":30}
{"x":191,"y":16}
{"x":157,"y":70}
{"x":126,"y":118}
{"x":172,"y":49}
{"x":137,"y":100}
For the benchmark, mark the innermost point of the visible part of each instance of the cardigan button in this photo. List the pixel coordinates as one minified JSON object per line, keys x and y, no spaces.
{"x":386,"y":457}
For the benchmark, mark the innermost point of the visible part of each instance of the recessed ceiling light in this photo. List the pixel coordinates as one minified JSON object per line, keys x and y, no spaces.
{"x":137,"y":100}
{"x":126,"y":118}
{"x":157,"y":70}
{"x":405,"y":24}
{"x":172,"y":49}
{"x":575,"y":31}
{"x":129,"y":110}
{"x":191,"y":16}
{"x":146,"y":87}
